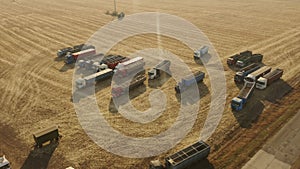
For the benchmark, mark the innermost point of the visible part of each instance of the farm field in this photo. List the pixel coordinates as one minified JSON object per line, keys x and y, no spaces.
{"x":36,"y":87}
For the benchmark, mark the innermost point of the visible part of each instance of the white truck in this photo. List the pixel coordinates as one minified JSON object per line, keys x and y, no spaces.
{"x":155,"y":72}
{"x":201,"y":52}
{"x":4,"y":163}
{"x":269,"y":78}
{"x":254,"y":76}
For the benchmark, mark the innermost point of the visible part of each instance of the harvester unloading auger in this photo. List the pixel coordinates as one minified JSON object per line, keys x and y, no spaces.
{"x":120,"y":15}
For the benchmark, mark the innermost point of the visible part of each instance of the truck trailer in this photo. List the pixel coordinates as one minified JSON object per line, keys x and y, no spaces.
{"x":72,"y":57}
{"x":184,"y":158}
{"x":156,"y":71}
{"x":113,"y":60}
{"x":91,"y":79}
{"x":240,"y":75}
{"x":269,"y":78}
{"x":63,"y":52}
{"x":237,"y":103}
{"x":125,"y":68}
{"x":186,"y":82}
{"x":201,"y":52}
{"x":245,"y":61}
{"x":120,"y":90}
{"x":253,"y":77}
{"x":48,"y":134}
{"x":231,"y":61}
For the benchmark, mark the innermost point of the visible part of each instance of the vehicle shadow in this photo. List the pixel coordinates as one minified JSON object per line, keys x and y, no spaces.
{"x":59,"y":59}
{"x":203,"y":59}
{"x":159,"y":82}
{"x":66,"y":67}
{"x":250,"y":113}
{"x":133,"y":93}
{"x":40,"y":157}
{"x":202,"y":89}
{"x":275,"y":91}
{"x":203,"y":164}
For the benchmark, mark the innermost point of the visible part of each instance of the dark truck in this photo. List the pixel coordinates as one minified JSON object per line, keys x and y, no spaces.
{"x":238,"y":102}
{"x":184,"y":158}
{"x":186,"y":82}
{"x":113,"y":60}
{"x":231,"y":61}
{"x":245,"y":61}
{"x":48,"y":134}
{"x":240,"y":75}
{"x":77,"y":48}
{"x":120,"y":90}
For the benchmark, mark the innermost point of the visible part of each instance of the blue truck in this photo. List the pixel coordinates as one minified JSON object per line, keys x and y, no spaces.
{"x":186,"y":82}
{"x":240,"y":75}
{"x":238,"y":102}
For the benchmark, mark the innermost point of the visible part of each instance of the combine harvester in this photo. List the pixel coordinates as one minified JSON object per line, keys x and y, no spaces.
{"x":184,"y":158}
{"x":93,"y":78}
{"x":269,"y":78}
{"x":120,"y":90}
{"x":4,"y":163}
{"x":188,"y":81}
{"x":240,"y":75}
{"x":201,"y":52}
{"x":253,"y":77}
{"x":72,"y":57}
{"x":156,"y":71}
{"x":131,"y":66}
{"x":238,"y":102}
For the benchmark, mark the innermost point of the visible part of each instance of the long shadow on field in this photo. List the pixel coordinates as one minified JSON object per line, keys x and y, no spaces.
{"x":203,"y":164}
{"x":82,"y":93}
{"x":275,"y":91}
{"x":40,"y":157}
{"x":202,"y":89}
{"x":250,"y":113}
{"x":203,"y":59}
{"x":160,"y":81}
{"x":133,"y":93}
{"x":66,"y":67}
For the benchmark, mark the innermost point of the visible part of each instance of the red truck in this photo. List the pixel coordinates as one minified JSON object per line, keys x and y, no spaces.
{"x":121,"y":89}
{"x":72,"y":57}
{"x":130,"y":66}
{"x":113,"y":60}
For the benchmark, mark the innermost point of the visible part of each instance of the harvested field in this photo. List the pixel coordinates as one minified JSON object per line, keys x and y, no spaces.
{"x":36,"y":87}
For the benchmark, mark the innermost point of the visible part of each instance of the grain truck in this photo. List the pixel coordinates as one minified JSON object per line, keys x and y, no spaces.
{"x":131,"y":66}
{"x":184,"y":158}
{"x":269,"y":78}
{"x":93,"y":78}
{"x":253,"y":77}
{"x":113,"y":60}
{"x":4,"y":163}
{"x":119,"y":90}
{"x":72,"y":57}
{"x":231,"y":61}
{"x":63,"y":52}
{"x":186,"y":82}
{"x":44,"y":135}
{"x":155,"y":72}
{"x":240,"y":75}
{"x":237,"y":103}
{"x":201,"y":52}
{"x":256,"y":58}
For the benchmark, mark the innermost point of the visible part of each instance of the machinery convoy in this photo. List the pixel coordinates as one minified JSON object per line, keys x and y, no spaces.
{"x":184,"y":158}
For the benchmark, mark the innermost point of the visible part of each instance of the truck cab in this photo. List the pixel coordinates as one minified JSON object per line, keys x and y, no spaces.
{"x":80,"y":83}
{"x":4,"y":163}
{"x":63,"y":52}
{"x":250,"y":79}
{"x":236,"y":104}
{"x":152,"y":73}
{"x":261,"y":83}
{"x":239,"y":77}
{"x":201,"y":52}
{"x":69,"y":58}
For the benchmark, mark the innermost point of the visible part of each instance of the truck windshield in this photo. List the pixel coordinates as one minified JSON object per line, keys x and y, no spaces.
{"x":249,"y":80}
{"x":261,"y":83}
{"x":236,"y":104}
